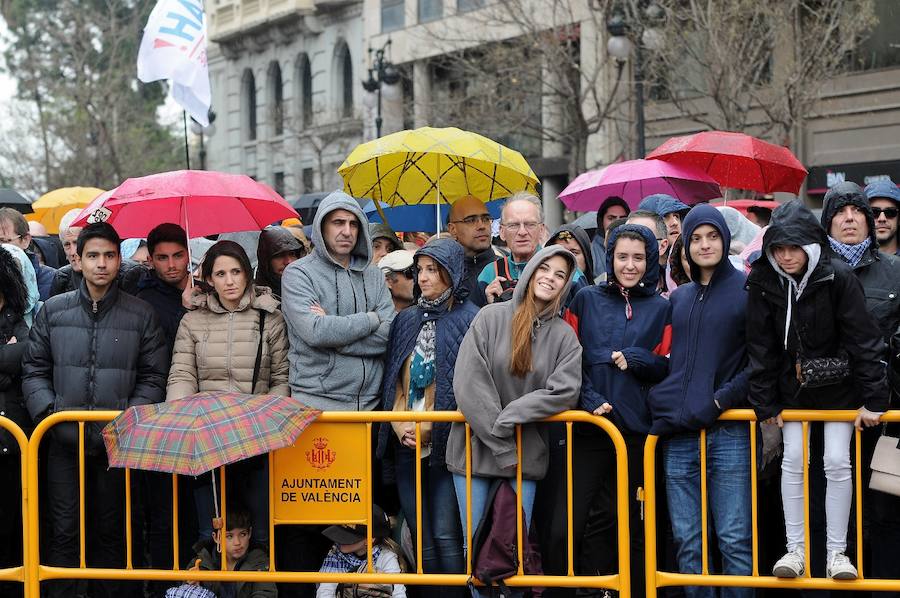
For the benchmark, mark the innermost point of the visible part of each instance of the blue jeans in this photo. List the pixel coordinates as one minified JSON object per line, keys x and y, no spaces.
{"x":442,"y":542}
{"x":728,"y":486}
{"x":481,"y":486}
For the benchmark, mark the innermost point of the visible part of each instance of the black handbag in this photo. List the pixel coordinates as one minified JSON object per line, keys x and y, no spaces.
{"x":815,"y":372}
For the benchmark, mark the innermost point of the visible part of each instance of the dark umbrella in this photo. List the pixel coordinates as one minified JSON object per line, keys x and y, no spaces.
{"x":10,"y":198}
{"x":307,"y":205}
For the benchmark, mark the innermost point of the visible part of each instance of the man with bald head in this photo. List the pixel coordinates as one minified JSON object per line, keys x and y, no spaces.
{"x":470,"y":224}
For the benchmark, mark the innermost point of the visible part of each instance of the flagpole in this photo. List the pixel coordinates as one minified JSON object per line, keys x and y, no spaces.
{"x":187,"y":154}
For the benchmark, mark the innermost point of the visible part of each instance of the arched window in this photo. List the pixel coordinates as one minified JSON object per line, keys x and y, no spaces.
{"x":276,"y":93}
{"x":344,"y":79}
{"x":304,"y":90}
{"x":248,"y":104}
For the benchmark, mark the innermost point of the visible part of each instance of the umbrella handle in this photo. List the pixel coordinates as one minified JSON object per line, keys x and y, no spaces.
{"x":217,"y":519}
{"x":381,"y":212}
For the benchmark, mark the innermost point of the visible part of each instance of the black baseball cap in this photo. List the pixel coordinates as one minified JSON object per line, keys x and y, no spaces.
{"x":353,"y":533}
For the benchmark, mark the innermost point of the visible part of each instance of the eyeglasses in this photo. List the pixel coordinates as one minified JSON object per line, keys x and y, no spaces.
{"x":394,"y":274}
{"x":474,"y":219}
{"x":515,"y":226}
{"x":889,"y":213}
{"x":17,"y":237}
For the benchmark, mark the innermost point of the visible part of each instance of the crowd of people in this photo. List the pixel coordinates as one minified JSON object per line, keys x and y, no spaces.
{"x":660,"y":319}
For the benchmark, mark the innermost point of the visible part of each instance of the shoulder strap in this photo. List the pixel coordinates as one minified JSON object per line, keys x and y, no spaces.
{"x":259,"y":348}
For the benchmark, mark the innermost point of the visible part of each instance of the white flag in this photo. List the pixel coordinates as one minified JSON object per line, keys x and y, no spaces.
{"x":174,"y":47}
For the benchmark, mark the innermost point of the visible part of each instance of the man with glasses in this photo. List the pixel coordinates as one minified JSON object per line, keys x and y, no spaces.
{"x":14,"y":230}
{"x":398,"y":274}
{"x":470,"y":224}
{"x":521,"y":227}
{"x":655,"y":223}
{"x":884,"y":197}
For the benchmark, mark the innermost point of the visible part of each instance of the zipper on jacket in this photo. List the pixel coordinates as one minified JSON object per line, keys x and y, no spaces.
{"x":231,"y":383}
{"x":91,"y":383}
{"x":94,"y":307}
{"x":362,"y":360}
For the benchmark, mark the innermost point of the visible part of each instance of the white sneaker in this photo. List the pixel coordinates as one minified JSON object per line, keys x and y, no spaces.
{"x":840,"y":567}
{"x":790,"y":565}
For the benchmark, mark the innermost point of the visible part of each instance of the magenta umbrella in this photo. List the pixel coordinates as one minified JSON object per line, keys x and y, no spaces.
{"x":636,"y":179}
{"x":203,"y":202}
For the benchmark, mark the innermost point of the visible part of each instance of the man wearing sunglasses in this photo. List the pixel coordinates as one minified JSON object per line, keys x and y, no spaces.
{"x":884,"y":197}
{"x":398,"y":275}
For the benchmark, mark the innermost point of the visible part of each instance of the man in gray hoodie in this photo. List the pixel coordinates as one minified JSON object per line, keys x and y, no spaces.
{"x":338,"y":312}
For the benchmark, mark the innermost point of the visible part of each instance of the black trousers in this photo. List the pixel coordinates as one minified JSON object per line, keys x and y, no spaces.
{"x":104,"y":518}
{"x":151,"y":516}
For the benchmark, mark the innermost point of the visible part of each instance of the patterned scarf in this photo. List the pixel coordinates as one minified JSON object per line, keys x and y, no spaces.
{"x":851,"y":253}
{"x":341,"y":562}
{"x":421,"y":369}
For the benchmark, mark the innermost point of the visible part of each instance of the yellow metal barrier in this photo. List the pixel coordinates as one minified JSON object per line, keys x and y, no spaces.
{"x":35,"y":572}
{"x":19,"y":573}
{"x":660,"y":579}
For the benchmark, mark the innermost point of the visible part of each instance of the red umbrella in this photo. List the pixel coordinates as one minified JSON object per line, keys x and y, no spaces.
{"x":203,"y":202}
{"x":736,"y":160}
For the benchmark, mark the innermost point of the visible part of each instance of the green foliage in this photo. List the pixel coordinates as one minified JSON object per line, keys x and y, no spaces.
{"x":76,"y":64}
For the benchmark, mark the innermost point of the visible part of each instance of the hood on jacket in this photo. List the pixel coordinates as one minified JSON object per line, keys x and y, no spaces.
{"x":378,"y":230}
{"x":705,"y":214}
{"x":844,"y":194}
{"x":609,"y":202}
{"x":662,"y":204}
{"x":650,"y":280}
{"x":452,"y":257}
{"x":531,"y":267}
{"x":584,"y":241}
{"x":361,"y":254}
{"x":742,"y":230}
{"x":272,"y":241}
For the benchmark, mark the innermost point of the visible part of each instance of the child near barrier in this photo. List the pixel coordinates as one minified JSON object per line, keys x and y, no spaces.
{"x":812,"y":345}
{"x":240,"y":553}
{"x":349,"y":555}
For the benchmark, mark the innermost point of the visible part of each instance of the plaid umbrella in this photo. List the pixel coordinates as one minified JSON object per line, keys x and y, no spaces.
{"x":204,"y":431}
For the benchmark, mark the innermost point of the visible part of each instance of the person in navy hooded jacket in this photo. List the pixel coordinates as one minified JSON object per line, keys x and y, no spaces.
{"x":422,"y":348}
{"x":707,"y":375}
{"x":624,"y":328}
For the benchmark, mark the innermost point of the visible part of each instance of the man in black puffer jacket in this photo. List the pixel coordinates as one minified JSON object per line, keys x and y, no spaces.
{"x":94,"y":348}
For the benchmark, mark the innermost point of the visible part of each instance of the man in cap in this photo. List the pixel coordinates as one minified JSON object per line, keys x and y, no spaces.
{"x":670,"y":209}
{"x":384,"y":241}
{"x":884,"y":198}
{"x":398,"y":274}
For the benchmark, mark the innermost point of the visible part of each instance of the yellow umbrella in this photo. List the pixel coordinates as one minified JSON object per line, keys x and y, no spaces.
{"x":51,"y":207}
{"x":434,"y":166}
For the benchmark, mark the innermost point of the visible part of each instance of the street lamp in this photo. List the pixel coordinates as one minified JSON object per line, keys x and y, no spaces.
{"x":199,"y":130}
{"x":382,"y":72}
{"x":620,"y":47}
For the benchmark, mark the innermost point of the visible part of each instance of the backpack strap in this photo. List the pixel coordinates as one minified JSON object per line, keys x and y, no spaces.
{"x":259,"y":350}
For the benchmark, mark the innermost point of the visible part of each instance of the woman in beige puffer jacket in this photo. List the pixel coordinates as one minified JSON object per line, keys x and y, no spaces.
{"x":215,"y":349}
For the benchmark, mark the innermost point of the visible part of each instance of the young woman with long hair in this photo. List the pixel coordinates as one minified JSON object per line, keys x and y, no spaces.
{"x":519,"y":363}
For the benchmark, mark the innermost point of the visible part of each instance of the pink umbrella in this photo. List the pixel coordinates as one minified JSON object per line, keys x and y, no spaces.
{"x":636,"y":179}
{"x":202,"y":202}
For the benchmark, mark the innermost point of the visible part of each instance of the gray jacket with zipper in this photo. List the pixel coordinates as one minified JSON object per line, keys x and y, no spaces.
{"x":337,"y":359}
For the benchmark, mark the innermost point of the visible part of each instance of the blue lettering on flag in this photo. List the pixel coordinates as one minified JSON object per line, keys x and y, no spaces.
{"x":182,"y":22}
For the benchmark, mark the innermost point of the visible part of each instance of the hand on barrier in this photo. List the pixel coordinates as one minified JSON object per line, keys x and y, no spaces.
{"x":866,"y":418}
{"x":603,"y":409}
{"x":777,"y":420}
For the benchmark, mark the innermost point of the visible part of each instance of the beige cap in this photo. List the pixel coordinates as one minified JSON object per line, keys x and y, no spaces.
{"x":396,"y":261}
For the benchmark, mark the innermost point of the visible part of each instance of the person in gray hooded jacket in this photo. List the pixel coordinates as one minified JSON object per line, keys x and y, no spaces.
{"x":518,"y":363}
{"x":338,"y":312}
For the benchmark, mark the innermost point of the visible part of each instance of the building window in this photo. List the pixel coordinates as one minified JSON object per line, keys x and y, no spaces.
{"x":881,"y":49}
{"x":276,"y":93}
{"x":279,"y":183}
{"x":309,"y":185}
{"x":430,"y":10}
{"x":391,"y":15}
{"x":248,"y":101}
{"x":304,"y":90}
{"x":344,"y":80}
{"x":467,"y":5}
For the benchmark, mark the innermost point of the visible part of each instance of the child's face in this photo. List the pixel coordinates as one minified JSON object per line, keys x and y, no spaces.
{"x":353,"y":548}
{"x":237,"y":541}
